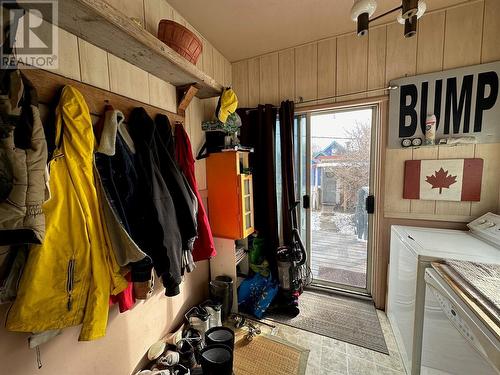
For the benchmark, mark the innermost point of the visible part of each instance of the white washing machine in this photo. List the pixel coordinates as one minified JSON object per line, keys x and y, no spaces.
{"x":412,"y":251}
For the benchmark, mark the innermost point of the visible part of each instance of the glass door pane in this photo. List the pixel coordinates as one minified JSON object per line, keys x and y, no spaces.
{"x":301,"y":168}
{"x":339,"y":176}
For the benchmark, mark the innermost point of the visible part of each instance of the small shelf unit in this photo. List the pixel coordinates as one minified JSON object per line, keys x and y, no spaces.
{"x":230,"y":194}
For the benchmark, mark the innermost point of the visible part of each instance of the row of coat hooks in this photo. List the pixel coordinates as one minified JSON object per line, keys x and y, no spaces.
{"x":49,"y":85}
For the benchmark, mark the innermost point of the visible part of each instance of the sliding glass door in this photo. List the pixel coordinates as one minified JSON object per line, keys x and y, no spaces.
{"x":333,"y":163}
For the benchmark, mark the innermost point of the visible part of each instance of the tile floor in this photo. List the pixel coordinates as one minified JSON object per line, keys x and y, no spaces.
{"x":332,"y":357}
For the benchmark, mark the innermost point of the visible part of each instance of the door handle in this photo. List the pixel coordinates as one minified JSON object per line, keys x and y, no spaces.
{"x":370,"y":204}
{"x":306,"y":202}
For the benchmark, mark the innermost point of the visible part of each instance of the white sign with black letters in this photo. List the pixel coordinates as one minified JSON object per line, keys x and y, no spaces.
{"x":465,"y":102}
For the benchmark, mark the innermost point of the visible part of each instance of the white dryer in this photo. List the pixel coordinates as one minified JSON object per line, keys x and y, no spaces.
{"x":412,"y":251}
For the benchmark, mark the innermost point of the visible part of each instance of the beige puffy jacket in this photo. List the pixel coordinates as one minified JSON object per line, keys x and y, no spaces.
{"x":23,"y":166}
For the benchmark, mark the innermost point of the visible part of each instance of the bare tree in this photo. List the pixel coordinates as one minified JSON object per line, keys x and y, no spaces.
{"x":352,"y":171}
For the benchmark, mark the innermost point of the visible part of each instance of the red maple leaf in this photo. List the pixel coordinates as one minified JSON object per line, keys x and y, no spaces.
{"x":441,"y":179}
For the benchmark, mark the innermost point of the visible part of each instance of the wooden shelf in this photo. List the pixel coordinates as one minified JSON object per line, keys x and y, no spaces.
{"x":100,"y":24}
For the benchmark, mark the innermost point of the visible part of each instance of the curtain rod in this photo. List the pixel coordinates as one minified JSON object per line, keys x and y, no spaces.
{"x":301,"y":101}
{"x":386,"y":13}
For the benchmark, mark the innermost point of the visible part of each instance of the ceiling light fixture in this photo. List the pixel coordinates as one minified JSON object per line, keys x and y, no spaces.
{"x":361,"y":12}
{"x":411,"y":23}
{"x":409,"y":12}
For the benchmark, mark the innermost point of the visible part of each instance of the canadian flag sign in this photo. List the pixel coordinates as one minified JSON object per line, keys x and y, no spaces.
{"x":444,"y":180}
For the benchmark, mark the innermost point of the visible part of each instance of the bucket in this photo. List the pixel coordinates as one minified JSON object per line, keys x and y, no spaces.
{"x":217,"y":360}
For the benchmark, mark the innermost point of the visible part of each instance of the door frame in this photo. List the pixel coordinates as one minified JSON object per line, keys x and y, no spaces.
{"x":376,"y":263}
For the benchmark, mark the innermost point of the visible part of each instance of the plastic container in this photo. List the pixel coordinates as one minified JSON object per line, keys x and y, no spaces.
{"x":430,"y":130}
{"x":217,"y":360}
{"x":221,"y":290}
{"x":220,"y":335}
{"x":180,"y":39}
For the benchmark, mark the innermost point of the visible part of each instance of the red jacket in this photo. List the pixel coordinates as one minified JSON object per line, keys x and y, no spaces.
{"x":204,"y":245}
{"x":125,"y":299}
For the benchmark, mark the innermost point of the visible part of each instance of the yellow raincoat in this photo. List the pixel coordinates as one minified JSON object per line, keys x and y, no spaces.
{"x":68,"y":279}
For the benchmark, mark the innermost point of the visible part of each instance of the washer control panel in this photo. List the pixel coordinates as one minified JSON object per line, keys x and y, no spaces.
{"x":487,"y":227}
{"x":455,"y":318}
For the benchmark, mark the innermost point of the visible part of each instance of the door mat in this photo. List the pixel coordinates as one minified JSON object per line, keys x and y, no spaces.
{"x":342,"y":318}
{"x":340,"y":276}
{"x":269,"y":355}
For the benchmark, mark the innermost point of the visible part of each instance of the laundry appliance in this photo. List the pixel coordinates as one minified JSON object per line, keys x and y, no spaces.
{"x":413,"y":249}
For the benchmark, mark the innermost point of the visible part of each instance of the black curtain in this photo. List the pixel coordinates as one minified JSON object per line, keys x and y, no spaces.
{"x":289,"y":213}
{"x":258,"y":130}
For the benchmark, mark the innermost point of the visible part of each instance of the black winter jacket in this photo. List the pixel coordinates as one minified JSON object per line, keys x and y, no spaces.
{"x":176,"y":182}
{"x":160,"y":237}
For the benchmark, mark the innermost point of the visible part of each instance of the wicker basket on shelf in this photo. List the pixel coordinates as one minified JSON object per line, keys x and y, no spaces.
{"x":180,"y":39}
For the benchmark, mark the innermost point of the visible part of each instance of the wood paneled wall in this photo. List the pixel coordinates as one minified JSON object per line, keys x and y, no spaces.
{"x":341,"y":65}
{"x":350,"y":66}
{"x":129,"y":335}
